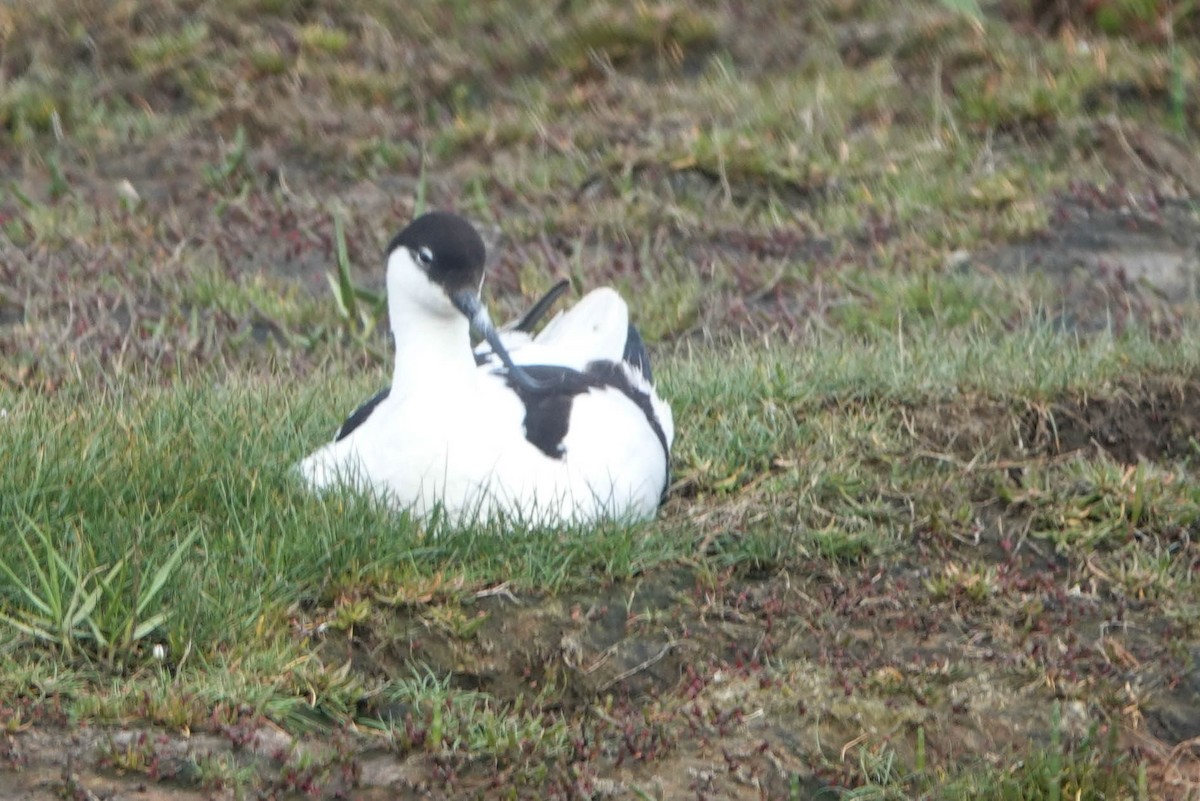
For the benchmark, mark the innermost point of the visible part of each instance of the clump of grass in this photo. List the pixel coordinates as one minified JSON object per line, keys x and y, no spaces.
{"x":167,"y":48}
{"x":1094,"y":503}
{"x":28,"y":105}
{"x":972,"y":583}
{"x":1091,"y":766}
{"x":1094,"y":767}
{"x":359,"y":309}
{"x":222,"y":772}
{"x":635,"y":34}
{"x":76,"y":605}
{"x":268,"y":59}
{"x":229,"y":174}
{"x":442,"y":721}
{"x":1140,"y":18}
{"x":948,"y":302}
{"x":324,"y":39}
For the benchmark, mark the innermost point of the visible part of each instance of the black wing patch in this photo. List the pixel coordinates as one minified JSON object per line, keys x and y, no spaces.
{"x":548,"y":408}
{"x":635,"y":353}
{"x":359,"y":416}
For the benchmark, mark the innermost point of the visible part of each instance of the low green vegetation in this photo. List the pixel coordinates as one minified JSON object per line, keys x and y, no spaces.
{"x":817,"y":454}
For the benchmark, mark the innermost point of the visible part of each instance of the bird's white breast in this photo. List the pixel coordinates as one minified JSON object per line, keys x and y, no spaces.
{"x":465,"y":452}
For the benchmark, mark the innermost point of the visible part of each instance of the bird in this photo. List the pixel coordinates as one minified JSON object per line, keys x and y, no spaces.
{"x":563,"y":426}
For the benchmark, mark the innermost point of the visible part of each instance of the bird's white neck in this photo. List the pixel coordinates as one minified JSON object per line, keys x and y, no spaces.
{"x":430,"y":349}
{"x":433,"y":340}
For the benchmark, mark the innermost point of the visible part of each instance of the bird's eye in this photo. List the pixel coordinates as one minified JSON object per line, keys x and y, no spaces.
{"x":425,"y":255}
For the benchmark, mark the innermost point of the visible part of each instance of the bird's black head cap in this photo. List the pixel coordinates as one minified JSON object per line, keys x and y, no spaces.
{"x":451,"y":253}
{"x":446,"y":247}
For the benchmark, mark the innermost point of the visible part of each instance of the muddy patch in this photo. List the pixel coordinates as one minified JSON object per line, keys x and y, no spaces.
{"x":1156,"y":421}
{"x":1113,"y":257}
{"x":797,"y":670}
{"x":675,"y":685}
{"x":1162,"y":425}
{"x":685,"y":683}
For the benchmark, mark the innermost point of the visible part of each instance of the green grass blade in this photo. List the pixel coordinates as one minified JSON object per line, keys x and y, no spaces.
{"x":81,"y":610}
{"x":336,"y":287}
{"x":347,"y":300}
{"x":25,"y":589}
{"x":101,"y":640}
{"x":55,"y":565}
{"x":147,"y":626}
{"x":370,"y":296}
{"x":49,"y":603}
{"x":164,"y":572}
{"x":30,"y":629}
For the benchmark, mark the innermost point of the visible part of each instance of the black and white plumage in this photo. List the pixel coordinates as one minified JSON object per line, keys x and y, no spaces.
{"x":561,"y":426}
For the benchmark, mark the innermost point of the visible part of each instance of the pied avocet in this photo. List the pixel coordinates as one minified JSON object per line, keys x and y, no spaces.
{"x":562,"y":426}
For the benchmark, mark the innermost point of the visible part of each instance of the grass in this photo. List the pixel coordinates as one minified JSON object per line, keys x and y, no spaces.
{"x":1092,"y":768}
{"x":786,"y":458}
{"x":78,"y":601}
{"x":202,"y":468}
